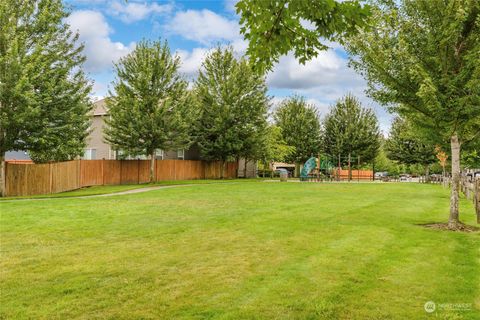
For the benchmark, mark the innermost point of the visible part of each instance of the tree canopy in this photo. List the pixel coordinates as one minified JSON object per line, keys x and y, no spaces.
{"x":405,"y":145}
{"x":351,"y":130}
{"x":274,"y":148}
{"x":300,"y":126}
{"x":274,"y":28}
{"x":44,"y":100}
{"x":421,"y":58}
{"x":233,"y":107}
{"x":150,"y":107}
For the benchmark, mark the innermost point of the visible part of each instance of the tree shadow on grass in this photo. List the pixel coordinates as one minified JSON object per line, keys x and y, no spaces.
{"x":461,"y":227}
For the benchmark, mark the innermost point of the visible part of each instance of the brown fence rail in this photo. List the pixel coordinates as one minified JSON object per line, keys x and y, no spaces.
{"x":31,"y":179}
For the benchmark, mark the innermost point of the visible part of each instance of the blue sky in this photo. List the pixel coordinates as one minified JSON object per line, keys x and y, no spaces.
{"x":111,"y":28}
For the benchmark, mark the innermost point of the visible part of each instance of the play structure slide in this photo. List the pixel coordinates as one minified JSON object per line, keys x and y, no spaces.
{"x":311,"y":164}
{"x":308,"y":167}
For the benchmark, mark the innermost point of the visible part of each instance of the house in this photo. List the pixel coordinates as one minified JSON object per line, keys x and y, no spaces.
{"x":98,"y":148}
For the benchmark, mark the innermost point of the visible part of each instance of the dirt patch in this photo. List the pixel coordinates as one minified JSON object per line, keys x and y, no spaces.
{"x":444,"y":226}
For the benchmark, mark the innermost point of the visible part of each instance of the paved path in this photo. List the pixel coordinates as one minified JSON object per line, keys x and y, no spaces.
{"x":139,"y":190}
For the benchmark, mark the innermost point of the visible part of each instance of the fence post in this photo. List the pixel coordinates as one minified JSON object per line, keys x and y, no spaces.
{"x":477,"y":199}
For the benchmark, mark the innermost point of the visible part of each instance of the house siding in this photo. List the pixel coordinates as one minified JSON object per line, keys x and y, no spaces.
{"x":96,"y":140}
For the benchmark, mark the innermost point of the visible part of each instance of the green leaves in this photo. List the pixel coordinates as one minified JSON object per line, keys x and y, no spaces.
{"x":151,"y":107}
{"x":351,"y":130}
{"x":405,"y":146}
{"x":274,"y":28}
{"x":44,"y":101}
{"x":233,"y":107}
{"x":422,"y":59}
{"x":300,"y":127}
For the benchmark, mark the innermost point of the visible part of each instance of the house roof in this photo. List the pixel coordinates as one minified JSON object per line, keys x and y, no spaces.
{"x":100,"y":108}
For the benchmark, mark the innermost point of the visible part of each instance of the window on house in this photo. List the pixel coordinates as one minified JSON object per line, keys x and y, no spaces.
{"x":90,"y":154}
{"x":159,"y":154}
{"x":181,"y":154}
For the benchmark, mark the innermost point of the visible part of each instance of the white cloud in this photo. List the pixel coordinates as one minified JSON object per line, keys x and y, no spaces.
{"x":133,"y":11}
{"x":94,"y":32}
{"x":192,"y":61}
{"x":322,"y":81}
{"x":326,"y":69}
{"x":203,"y":26}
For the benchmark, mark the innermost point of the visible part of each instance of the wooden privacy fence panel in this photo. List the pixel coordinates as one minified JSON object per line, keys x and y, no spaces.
{"x":31,"y":179}
{"x":165,"y":170}
{"x":91,"y":172}
{"x":65,"y":176}
{"x":112,"y":172}
{"x":356,"y":174}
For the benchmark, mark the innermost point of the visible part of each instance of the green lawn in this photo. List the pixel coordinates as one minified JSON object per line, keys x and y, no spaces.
{"x":240,"y":251}
{"x":97,"y":190}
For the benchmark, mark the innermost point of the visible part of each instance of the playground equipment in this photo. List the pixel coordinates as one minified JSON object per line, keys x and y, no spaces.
{"x":315,"y":164}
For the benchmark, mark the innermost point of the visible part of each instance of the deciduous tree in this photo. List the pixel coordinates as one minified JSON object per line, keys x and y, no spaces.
{"x":150,"y":107}
{"x":421,"y":58}
{"x":352,"y":131}
{"x":274,"y":148}
{"x":273,"y":28}
{"x":233,"y":107}
{"x":44,"y":100}
{"x":405,"y":146}
{"x":300,"y":125}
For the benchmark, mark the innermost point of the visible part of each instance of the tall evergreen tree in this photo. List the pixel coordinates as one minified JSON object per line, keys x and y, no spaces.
{"x":405,"y":146}
{"x":421,"y":57}
{"x":300,"y":125}
{"x":233,"y":107}
{"x":150,"y":107}
{"x":44,"y":101}
{"x":351,"y":131}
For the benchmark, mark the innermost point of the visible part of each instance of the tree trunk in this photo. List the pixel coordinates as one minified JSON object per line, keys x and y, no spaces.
{"x":271,"y":172}
{"x":339,"y":168}
{"x":2,"y":175}
{"x":152,"y":167}
{"x":245,"y":168}
{"x":349,"y":167}
{"x":453,"y":220}
{"x":297,"y":170}
{"x":427,"y":174}
{"x":222,"y":172}
{"x":358,"y":169}
{"x":373,"y":170}
{"x":238,"y":167}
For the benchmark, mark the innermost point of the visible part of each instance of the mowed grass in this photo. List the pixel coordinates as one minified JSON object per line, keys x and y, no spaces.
{"x":240,"y":251}
{"x":108,"y":189}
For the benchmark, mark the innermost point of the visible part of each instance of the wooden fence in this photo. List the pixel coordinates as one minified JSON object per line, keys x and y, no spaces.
{"x":32,"y":179}
{"x":470,"y":186}
{"x":342,"y":174}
